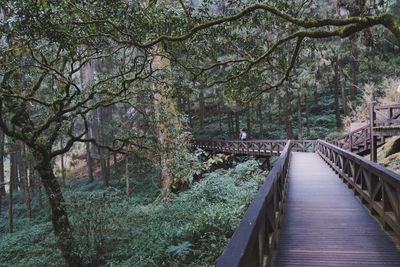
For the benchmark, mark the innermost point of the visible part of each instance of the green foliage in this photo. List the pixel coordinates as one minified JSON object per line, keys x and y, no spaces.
{"x":35,"y":245}
{"x":112,"y":230}
{"x":96,"y":217}
{"x":193,"y":228}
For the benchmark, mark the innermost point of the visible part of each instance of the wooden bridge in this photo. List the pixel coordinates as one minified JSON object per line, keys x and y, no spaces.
{"x":385,"y":123}
{"x":321,"y":204}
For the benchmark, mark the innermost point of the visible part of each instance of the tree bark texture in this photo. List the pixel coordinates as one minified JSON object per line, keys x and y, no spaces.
{"x":299,"y":119}
{"x":287,"y":113}
{"x":271,"y":102}
{"x":59,"y":216}
{"x":201,"y":109}
{"x":343,"y":87}
{"x":260,"y":119}
{"x":2,"y":180}
{"x":237,"y":124}
{"x":23,"y":174}
{"x":336,"y":95}
{"x":248,"y":122}
{"x":230,"y":124}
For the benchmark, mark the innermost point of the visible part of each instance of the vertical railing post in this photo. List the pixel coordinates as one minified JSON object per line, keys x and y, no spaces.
{"x":351,"y":143}
{"x":390,"y":116}
{"x":372,"y":118}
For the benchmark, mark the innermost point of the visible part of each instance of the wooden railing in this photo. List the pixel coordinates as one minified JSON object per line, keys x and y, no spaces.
{"x":387,"y":115}
{"x":377,"y":187}
{"x":254,"y":242}
{"x":358,"y":141}
{"x":253,"y":147}
{"x":304,"y":145}
{"x":367,"y":138}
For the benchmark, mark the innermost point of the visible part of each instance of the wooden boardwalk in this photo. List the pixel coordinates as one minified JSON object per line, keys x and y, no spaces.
{"x":325,"y":225}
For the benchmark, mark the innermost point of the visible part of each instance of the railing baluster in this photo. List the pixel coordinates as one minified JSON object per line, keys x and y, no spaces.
{"x":377,"y":186}
{"x":255,"y":239}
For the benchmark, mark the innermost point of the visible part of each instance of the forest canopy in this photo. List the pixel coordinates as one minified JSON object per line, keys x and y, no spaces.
{"x":130,"y":78}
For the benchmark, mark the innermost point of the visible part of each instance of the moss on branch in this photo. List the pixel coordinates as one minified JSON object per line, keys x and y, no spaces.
{"x":347,"y":26}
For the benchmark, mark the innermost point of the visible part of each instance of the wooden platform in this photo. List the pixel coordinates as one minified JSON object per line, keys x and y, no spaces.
{"x":325,"y":225}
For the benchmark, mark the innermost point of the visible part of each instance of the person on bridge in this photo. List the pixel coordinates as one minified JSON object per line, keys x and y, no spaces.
{"x":242,"y":135}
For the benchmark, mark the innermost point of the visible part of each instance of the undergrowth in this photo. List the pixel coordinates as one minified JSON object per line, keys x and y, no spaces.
{"x":191,"y":229}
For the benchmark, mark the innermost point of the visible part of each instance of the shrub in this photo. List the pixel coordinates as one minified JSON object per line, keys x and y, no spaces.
{"x":109,"y":229}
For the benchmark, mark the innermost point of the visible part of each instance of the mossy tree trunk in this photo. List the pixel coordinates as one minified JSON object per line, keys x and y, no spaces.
{"x":343,"y":86}
{"x":336,"y":93}
{"x":2,"y":180}
{"x":23,"y":174}
{"x":59,"y":216}
{"x":287,"y":114}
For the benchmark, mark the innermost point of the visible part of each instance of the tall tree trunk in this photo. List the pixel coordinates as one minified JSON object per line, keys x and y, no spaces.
{"x":343,"y":87}
{"x":248,"y":122}
{"x":12,"y":184}
{"x":189,"y":110}
{"x":299,"y":118}
{"x":108,"y":162}
{"x":336,"y":94}
{"x":307,"y":115}
{"x":89,"y":159}
{"x":127,"y":175}
{"x":23,"y":173}
{"x":261,"y":119}
{"x":105,"y":117}
{"x":10,"y":203}
{"x":237,"y":124}
{"x":103,"y":166}
{"x":220,"y":114}
{"x":86,"y":76}
{"x":38,"y":189}
{"x":2,"y":180}
{"x":165,"y":179}
{"x":115,"y":158}
{"x":316,"y":95}
{"x":230,"y":124}
{"x":14,"y":176}
{"x":271,"y":102}
{"x":63,"y":174}
{"x":165,"y":113}
{"x":353,"y":70}
{"x":201,"y":109}
{"x":288,"y":121}
{"x":31,"y":179}
{"x":281,"y":112}
{"x":59,"y":216}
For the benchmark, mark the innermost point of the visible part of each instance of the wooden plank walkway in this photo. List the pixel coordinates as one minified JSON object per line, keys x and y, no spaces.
{"x":325,"y":225}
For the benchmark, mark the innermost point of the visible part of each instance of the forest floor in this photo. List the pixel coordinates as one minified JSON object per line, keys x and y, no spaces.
{"x":110,"y":229}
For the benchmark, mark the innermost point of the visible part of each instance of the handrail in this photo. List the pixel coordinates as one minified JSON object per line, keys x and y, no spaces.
{"x":254,"y":242}
{"x":253,"y":147}
{"x":354,"y":138}
{"x":376,"y":186}
{"x":361,"y":139}
{"x":388,"y":106}
{"x":386,"y":115}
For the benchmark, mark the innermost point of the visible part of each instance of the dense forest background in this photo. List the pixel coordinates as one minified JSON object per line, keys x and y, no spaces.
{"x":99,"y":102}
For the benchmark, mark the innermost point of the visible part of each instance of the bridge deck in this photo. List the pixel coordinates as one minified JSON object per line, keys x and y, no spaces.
{"x":325,"y":225}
